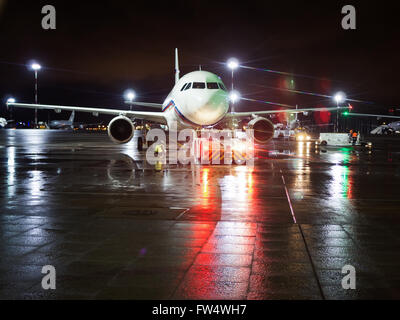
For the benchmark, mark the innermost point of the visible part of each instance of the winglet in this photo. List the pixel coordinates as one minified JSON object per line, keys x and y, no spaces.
{"x":176,"y":66}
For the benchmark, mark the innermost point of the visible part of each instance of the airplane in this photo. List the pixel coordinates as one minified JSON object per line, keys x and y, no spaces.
{"x":63,"y":124}
{"x":3,"y":122}
{"x":199,"y":99}
{"x":390,"y":128}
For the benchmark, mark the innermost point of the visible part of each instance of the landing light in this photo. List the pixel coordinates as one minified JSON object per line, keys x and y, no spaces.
{"x":10,"y":100}
{"x":303,"y":137}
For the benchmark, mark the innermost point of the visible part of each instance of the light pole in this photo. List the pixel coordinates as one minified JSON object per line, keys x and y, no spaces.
{"x":339,"y":98}
{"x":232,"y":64}
{"x":129,"y":96}
{"x":234,"y":96}
{"x":36,"y":67}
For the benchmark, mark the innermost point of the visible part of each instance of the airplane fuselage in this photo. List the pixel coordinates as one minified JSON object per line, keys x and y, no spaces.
{"x":198,"y":99}
{"x":61,"y":124}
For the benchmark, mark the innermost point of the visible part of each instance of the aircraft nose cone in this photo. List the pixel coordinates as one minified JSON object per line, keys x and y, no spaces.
{"x":213,"y":109}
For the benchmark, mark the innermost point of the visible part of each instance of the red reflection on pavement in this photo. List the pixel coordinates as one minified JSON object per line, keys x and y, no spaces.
{"x":206,"y":201}
{"x":222,"y":268}
{"x":350,"y":183}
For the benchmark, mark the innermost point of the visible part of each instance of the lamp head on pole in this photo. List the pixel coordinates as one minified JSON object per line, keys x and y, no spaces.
{"x":339,"y":97}
{"x":10,"y":100}
{"x":234,"y":96}
{"x":232,"y":63}
{"x":36,"y":66}
{"x":129,"y":95}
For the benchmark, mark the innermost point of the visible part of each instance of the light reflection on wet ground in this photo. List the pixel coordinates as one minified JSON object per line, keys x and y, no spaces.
{"x":115,"y":228}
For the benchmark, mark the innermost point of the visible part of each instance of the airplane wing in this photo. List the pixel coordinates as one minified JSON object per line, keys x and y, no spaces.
{"x":372,"y":115}
{"x":257,"y":113}
{"x":145,"y":104}
{"x":151,"y":116}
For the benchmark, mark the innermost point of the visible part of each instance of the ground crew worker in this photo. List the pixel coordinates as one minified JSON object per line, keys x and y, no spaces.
{"x":354,"y":136}
{"x":159,"y":151}
{"x":158,"y":166}
{"x":350,"y":135}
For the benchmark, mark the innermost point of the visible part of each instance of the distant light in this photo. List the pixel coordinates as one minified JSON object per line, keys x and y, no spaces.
{"x":130,"y":95}
{"x":10,"y":100}
{"x":36,"y":66}
{"x":339,"y":97}
{"x":232,"y":63}
{"x":234,"y":96}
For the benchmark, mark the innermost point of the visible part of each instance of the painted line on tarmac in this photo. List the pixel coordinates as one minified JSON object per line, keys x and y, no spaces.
{"x":288,"y":198}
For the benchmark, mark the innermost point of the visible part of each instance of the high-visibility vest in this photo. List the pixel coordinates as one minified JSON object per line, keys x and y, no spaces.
{"x":354,"y":134}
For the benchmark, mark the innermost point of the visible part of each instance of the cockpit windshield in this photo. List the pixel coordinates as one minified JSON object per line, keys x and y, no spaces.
{"x":212,"y":85}
{"x":221,"y":85}
{"x":202,"y":85}
{"x":199,"y":85}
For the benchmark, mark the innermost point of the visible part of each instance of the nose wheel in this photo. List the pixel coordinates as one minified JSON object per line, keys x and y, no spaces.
{"x":140,"y":144}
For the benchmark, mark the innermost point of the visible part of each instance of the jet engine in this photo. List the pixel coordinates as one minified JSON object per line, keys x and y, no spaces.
{"x":263,"y":129}
{"x":120,"y":129}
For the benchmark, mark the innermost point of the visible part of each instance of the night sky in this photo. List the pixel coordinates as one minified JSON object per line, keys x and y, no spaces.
{"x":101,"y":48}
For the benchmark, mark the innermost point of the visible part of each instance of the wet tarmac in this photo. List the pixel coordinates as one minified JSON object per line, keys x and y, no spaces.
{"x":116,"y":229}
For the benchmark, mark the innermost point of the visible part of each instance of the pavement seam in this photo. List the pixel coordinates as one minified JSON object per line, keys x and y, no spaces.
{"x":302,"y":235}
{"x":312,"y":263}
{"x":251,"y":268}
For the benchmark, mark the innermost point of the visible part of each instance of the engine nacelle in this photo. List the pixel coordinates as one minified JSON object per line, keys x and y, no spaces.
{"x":263,"y":129}
{"x":120,"y":129}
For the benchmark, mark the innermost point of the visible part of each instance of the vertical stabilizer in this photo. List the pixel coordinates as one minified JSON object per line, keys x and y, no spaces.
{"x":72,"y":116}
{"x":176,"y":66}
